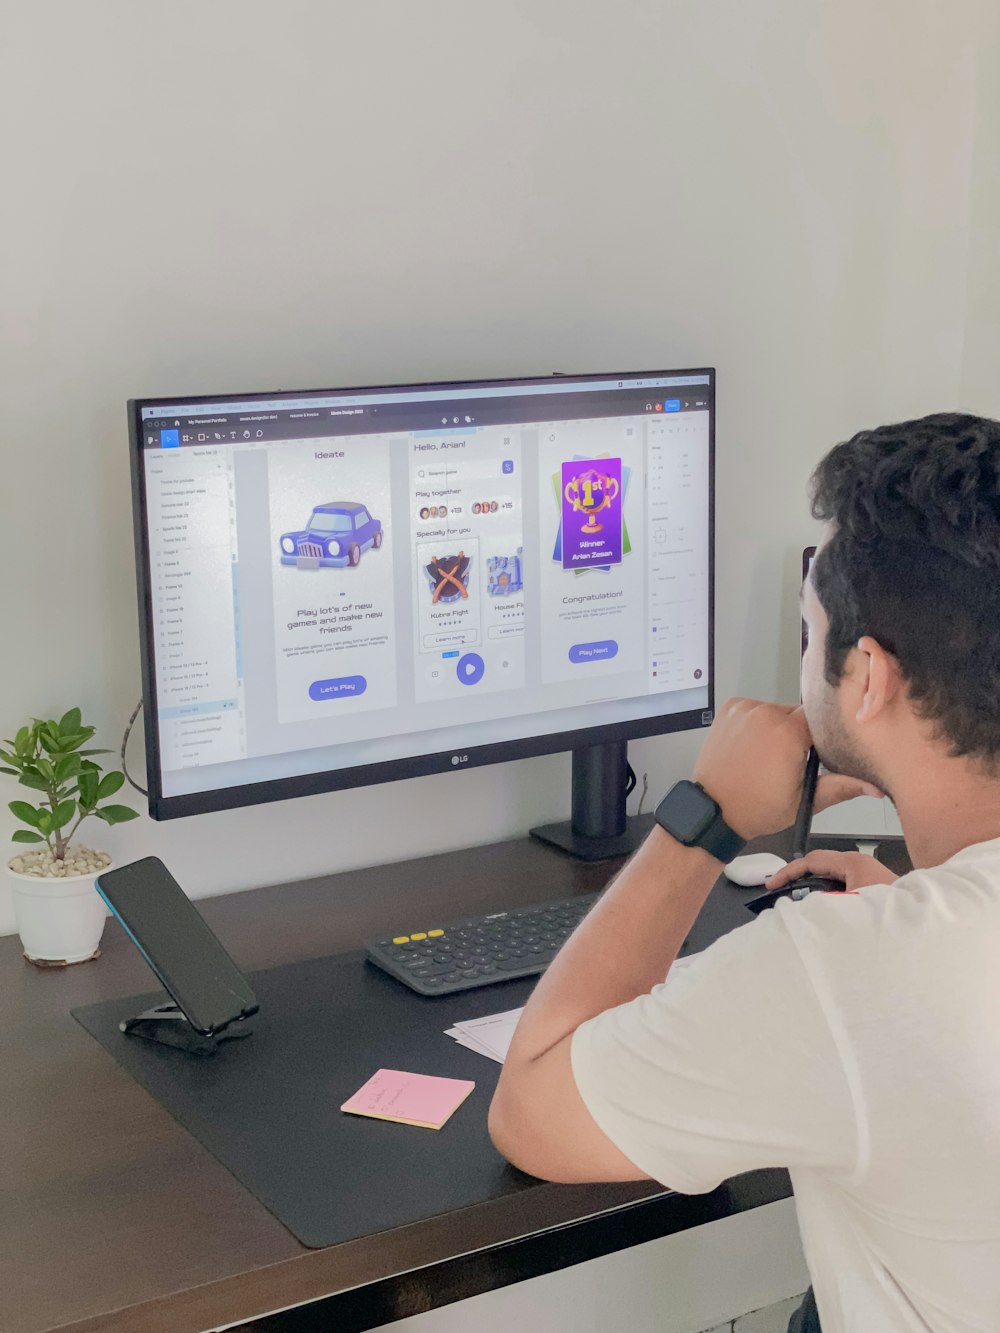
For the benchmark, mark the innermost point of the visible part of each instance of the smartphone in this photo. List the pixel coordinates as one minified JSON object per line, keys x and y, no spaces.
{"x":175,"y":940}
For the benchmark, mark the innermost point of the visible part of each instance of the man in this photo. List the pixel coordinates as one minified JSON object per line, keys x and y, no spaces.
{"x":854,"y":1038}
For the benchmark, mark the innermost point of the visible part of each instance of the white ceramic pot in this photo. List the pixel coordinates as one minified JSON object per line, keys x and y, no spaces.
{"x":60,"y":921}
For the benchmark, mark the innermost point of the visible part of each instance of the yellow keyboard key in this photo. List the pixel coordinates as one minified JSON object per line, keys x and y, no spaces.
{"x":400,"y":939}
{"x":419,"y":935}
{"x":435,"y":934}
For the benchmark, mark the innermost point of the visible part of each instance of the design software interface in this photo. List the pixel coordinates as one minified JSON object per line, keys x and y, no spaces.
{"x":343,"y":579}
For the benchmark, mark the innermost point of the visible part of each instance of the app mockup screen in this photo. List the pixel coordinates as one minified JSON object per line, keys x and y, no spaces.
{"x":349,"y":578}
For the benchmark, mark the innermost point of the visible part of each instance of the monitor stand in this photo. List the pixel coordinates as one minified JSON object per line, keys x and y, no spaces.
{"x":598,"y":829}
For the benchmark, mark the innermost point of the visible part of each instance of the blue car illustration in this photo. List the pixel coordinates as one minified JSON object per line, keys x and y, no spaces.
{"x":336,"y":534}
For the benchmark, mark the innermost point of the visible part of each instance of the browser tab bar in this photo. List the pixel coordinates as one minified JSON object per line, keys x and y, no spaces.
{"x":558,"y":385}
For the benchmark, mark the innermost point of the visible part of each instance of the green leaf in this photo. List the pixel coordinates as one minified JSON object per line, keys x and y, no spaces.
{"x":96,"y":752}
{"x":88,"y":788}
{"x":68,"y":767}
{"x":116,"y":814}
{"x":110,"y":783}
{"x":74,"y":742}
{"x":22,"y":741}
{"x":46,"y":769}
{"x":25,"y":835}
{"x":63,"y":813}
{"x":62,"y":744}
{"x":26,"y":813}
{"x":8,"y":757}
{"x":33,"y":780}
{"x":69,"y":723}
{"x":44,"y":822}
{"x":12,"y":772}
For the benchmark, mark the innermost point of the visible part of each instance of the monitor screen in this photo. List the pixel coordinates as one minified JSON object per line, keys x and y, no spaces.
{"x":348,"y":586}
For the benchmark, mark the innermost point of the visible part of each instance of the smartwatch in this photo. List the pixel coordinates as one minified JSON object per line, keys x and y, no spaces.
{"x":689,"y":814}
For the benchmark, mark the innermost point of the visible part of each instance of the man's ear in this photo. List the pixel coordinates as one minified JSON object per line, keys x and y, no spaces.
{"x":882,"y":678}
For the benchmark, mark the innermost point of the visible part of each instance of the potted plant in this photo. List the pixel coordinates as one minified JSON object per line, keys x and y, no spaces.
{"x":60,"y":916}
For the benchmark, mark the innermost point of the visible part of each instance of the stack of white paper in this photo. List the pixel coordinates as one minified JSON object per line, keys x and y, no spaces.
{"x":489,"y":1036}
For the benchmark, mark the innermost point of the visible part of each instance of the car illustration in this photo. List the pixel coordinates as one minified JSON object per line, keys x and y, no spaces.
{"x":336,"y":534}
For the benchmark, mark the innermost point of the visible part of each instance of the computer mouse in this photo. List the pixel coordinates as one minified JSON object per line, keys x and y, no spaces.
{"x":806,"y":884}
{"x":798,"y":889}
{"x":749,"y":872}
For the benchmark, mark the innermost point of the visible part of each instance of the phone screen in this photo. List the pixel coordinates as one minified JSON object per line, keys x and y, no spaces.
{"x":175,"y":940}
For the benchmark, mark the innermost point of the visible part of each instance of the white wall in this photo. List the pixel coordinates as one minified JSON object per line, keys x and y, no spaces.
{"x":980,"y":388}
{"x":241,"y":195}
{"x":244,"y":195}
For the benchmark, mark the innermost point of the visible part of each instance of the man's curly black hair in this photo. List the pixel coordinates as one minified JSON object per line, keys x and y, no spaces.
{"x":914,"y":561}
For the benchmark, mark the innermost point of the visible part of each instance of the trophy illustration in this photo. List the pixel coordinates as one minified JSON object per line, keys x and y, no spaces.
{"x":589,"y":493}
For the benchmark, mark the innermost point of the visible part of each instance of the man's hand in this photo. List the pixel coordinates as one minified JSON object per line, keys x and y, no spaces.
{"x":854,"y":868}
{"x":753,"y":764}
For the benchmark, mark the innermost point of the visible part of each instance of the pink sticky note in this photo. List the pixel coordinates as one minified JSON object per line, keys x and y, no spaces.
{"x":410,"y":1099}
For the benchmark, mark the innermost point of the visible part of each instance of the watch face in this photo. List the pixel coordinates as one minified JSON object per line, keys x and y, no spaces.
{"x":686,"y":811}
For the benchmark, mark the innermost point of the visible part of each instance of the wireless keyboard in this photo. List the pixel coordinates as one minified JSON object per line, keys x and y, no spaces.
{"x":481,"y":950}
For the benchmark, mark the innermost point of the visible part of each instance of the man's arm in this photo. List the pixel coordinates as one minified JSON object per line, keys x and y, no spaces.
{"x":623,"y":948}
{"x":752,"y":765}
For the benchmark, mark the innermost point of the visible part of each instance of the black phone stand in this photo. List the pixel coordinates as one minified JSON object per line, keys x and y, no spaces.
{"x":168,"y":1024}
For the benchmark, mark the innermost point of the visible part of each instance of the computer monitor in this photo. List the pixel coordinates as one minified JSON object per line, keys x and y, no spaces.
{"x":342,"y":587}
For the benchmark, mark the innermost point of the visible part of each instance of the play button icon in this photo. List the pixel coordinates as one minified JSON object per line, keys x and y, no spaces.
{"x":470,"y":669}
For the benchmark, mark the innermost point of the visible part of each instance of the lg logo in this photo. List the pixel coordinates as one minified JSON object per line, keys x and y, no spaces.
{"x":457,"y":759}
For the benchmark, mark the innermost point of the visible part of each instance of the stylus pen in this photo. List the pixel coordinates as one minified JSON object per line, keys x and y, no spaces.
{"x":803,"y":820}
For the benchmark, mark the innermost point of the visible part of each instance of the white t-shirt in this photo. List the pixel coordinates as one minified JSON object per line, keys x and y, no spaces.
{"x":855,"y":1039}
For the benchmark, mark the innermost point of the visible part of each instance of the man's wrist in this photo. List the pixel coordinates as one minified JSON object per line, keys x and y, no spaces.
{"x":665,"y":844}
{"x":693,"y":817}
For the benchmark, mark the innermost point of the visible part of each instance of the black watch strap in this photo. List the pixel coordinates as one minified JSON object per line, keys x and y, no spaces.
{"x":720,"y":841}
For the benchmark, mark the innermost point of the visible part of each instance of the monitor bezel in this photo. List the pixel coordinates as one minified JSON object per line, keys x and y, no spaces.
{"x":177,"y":806}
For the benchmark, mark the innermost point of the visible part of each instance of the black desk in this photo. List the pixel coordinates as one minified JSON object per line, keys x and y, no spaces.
{"x":112,"y":1218}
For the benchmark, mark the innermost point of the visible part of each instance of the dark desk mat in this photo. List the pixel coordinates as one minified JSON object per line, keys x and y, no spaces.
{"x":268,"y":1106}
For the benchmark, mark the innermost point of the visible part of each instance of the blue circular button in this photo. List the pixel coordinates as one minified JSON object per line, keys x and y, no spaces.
{"x":470,"y":669}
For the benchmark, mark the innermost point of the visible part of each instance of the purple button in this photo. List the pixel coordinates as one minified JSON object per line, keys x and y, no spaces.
{"x":470,"y":669}
{"x":601,"y":651}
{"x":339,"y":688}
